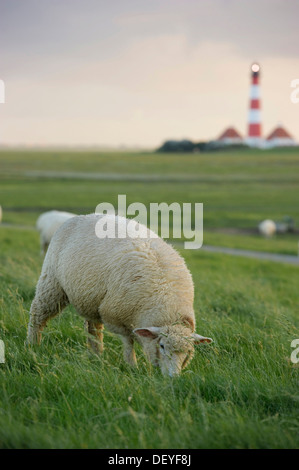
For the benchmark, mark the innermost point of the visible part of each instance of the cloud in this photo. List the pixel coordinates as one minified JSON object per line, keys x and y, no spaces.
{"x":94,"y":28}
{"x":138,"y":72}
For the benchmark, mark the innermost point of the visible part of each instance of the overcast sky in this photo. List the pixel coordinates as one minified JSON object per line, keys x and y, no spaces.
{"x":137,"y":72}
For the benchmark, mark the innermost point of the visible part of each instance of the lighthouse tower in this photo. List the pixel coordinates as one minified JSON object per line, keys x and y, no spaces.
{"x":254,"y":138}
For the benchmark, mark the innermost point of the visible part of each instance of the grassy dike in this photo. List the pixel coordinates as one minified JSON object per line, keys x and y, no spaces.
{"x":239,"y":392}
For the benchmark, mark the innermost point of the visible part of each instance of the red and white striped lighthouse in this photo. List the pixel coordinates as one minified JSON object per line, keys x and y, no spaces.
{"x":254,"y":118}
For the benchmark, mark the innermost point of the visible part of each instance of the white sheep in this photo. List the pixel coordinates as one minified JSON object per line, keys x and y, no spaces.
{"x":267,"y":228}
{"x":48,"y":223}
{"x":139,"y":288}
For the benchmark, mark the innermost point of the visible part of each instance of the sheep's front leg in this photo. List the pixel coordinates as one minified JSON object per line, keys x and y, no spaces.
{"x":129,"y":353}
{"x":95,"y":336}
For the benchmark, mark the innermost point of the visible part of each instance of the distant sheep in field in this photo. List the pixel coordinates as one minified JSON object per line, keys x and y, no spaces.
{"x":267,"y":228}
{"x":139,"y":288}
{"x":48,"y":223}
{"x":0,"y":214}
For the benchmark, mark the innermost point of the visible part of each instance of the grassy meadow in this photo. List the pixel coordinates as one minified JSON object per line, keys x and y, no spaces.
{"x":238,"y":189}
{"x":239,"y":392}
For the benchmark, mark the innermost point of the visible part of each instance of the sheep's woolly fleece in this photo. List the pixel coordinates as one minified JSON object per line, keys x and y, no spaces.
{"x":123,"y":283}
{"x":48,"y":223}
{"x":129,"y":282}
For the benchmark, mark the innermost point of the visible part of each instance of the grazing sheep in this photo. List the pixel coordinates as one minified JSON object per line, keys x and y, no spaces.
{"x":139,"y":288}
{"x":48,"y":223}
{"x":267,"y":228}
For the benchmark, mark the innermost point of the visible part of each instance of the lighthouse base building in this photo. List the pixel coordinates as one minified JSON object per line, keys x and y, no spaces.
{"x":279,"y":138}
{"x":230,"y":137}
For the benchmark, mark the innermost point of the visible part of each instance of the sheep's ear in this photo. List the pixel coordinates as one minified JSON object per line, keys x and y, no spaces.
{"x":151,"y":332}
{"x":201,"y":339}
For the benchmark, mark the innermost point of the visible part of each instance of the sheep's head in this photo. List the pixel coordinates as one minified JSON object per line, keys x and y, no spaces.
{"x":169,"y":347}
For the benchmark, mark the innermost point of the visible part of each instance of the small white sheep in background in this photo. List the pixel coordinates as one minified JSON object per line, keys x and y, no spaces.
{"x":0,"y":214}
{"x":267,"y":228}
{"x":139,"y":288}
{"x":48,"y":223}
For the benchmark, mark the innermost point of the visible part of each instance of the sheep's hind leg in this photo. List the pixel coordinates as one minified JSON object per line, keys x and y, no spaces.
{"x":49,"y":300}
{"x":95,"y":336}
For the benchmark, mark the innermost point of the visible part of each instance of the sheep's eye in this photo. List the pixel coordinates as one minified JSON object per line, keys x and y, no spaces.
{"x":162,"y":346}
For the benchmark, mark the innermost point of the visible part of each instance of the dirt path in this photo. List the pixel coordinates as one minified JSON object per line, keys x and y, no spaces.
{"x":141,"y":177}
{"x":289,"y":259}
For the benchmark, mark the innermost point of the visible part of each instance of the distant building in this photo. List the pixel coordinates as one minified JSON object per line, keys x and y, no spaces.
{"x":230,"y":136}
{"x":280,"y":138}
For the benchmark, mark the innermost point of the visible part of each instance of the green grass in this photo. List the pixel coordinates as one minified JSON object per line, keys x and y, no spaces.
{"x":280,"y":243}
{"x":253,"y":164}
{"x":241,"y":391}
{"x":238,"y":189}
